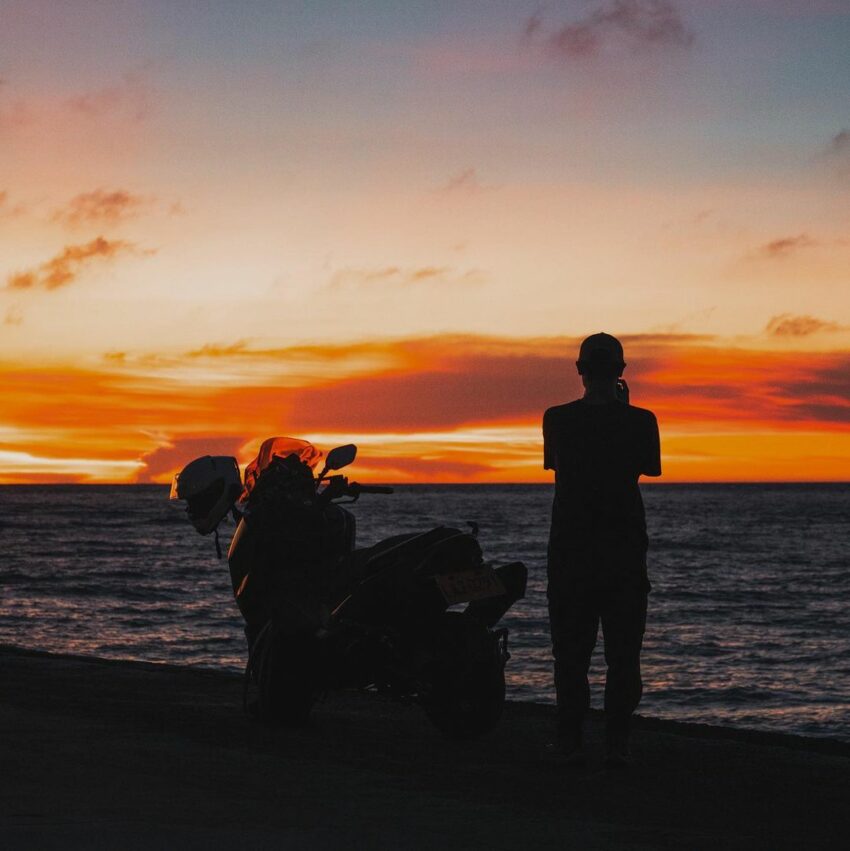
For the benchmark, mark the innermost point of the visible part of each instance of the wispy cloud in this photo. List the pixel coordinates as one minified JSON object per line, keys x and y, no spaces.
{"x":101,"y":207}
{"x":789,"y":325}
{"x":132,"y":96}
{"x":616,"y":25}
{"x":65,"y":267}
{"x":398,"y":276}
{"x":786,"y":245}
{"x":533,"y":25}
{"x":464,"y":182}
{"x":838,"y":152}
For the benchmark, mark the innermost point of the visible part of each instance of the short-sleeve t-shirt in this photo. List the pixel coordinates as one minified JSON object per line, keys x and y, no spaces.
{"x":598,"y":452}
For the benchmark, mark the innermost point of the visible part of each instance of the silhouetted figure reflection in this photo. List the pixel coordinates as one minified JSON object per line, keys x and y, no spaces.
{"x":598,"y":447}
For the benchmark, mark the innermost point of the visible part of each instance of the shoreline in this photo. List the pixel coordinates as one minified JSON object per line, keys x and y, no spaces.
{"x":101,"y":752}
{"x":694,"y":729}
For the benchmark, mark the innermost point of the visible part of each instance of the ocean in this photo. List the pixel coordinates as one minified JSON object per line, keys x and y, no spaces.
{"x":748,"y":626}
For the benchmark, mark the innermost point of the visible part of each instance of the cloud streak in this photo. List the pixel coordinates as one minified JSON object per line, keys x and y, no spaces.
{"x":631,"y":25}
{"x":68,"y":264}
{"x":788,"y":325}
{"x":398,"y":276}
{"x":465,"y":182}
{"x":787,"y":245}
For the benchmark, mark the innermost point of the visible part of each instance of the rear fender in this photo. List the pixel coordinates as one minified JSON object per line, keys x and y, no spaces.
{"x":514,"y":577}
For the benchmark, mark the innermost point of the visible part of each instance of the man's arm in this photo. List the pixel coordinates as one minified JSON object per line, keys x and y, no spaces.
{"x":548,"y":448}
{"x":651,"y":463}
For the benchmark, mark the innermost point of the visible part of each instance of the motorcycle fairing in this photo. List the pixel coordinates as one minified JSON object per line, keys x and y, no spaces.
{"x":400,"y":577}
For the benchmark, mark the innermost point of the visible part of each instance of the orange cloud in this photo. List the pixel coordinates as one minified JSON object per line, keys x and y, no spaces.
{"x":780,"y":389}
{"x":100,"y":206}
{"x":446,"y":408}
{"x":787,"y":245}
{"x":439,"y":468}
{"x":65,"y":267}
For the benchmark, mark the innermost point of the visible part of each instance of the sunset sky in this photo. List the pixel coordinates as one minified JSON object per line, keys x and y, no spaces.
{"x":392,"y":224}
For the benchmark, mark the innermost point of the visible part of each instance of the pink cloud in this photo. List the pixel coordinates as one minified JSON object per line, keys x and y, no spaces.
{"x":613,"y":26}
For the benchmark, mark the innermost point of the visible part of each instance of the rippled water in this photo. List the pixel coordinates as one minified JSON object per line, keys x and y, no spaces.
{"x":748,"y":624}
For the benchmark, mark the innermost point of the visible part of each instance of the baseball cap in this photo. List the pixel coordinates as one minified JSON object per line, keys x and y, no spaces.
{"x":601,"y":350}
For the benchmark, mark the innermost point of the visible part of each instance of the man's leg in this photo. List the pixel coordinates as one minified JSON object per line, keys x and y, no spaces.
{"x":574,"y":623}
{"x":623,"y":625}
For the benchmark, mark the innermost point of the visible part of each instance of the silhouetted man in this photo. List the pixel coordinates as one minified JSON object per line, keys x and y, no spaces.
{"x":598,"y":447}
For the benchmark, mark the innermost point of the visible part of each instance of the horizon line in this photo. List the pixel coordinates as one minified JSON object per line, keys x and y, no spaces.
{"x":653,"y":482}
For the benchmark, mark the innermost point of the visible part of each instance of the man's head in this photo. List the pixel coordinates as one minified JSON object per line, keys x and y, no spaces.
{"x":600,"y":357}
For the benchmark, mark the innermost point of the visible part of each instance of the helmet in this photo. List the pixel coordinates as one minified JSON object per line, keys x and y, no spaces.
{"x":210,"y":486}
{"x":601,"y":354}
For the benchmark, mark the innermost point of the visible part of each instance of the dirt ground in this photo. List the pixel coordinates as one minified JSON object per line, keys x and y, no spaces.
{"x":99,"y":754}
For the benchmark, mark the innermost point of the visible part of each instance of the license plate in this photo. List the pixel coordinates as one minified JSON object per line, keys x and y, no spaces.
{"x":478,"y":584}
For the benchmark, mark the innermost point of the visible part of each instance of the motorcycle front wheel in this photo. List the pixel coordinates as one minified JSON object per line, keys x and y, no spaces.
{"x":282,"y":669}
{"x":467,"y":693}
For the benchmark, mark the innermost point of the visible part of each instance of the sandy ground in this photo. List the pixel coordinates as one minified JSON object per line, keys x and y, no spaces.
{"x":98,"y":754}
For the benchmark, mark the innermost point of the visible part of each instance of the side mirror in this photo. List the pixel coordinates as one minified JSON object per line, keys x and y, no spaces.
{"x":340,"y":457}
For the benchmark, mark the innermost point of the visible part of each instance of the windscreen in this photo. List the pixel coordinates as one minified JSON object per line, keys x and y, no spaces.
{"x":279,"y":447}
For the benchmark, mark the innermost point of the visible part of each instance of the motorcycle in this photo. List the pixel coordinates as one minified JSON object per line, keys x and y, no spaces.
{"x":321,"y":614}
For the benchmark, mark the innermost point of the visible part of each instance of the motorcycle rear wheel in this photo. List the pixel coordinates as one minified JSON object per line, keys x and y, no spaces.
{"x":468,"y":690}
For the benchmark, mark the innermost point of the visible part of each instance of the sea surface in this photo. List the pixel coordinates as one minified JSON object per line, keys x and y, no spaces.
{"x":749,"y":615}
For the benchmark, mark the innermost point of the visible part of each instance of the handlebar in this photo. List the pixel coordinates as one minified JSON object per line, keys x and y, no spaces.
{"x":355,"y":489}
{"x":339,"y":486}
